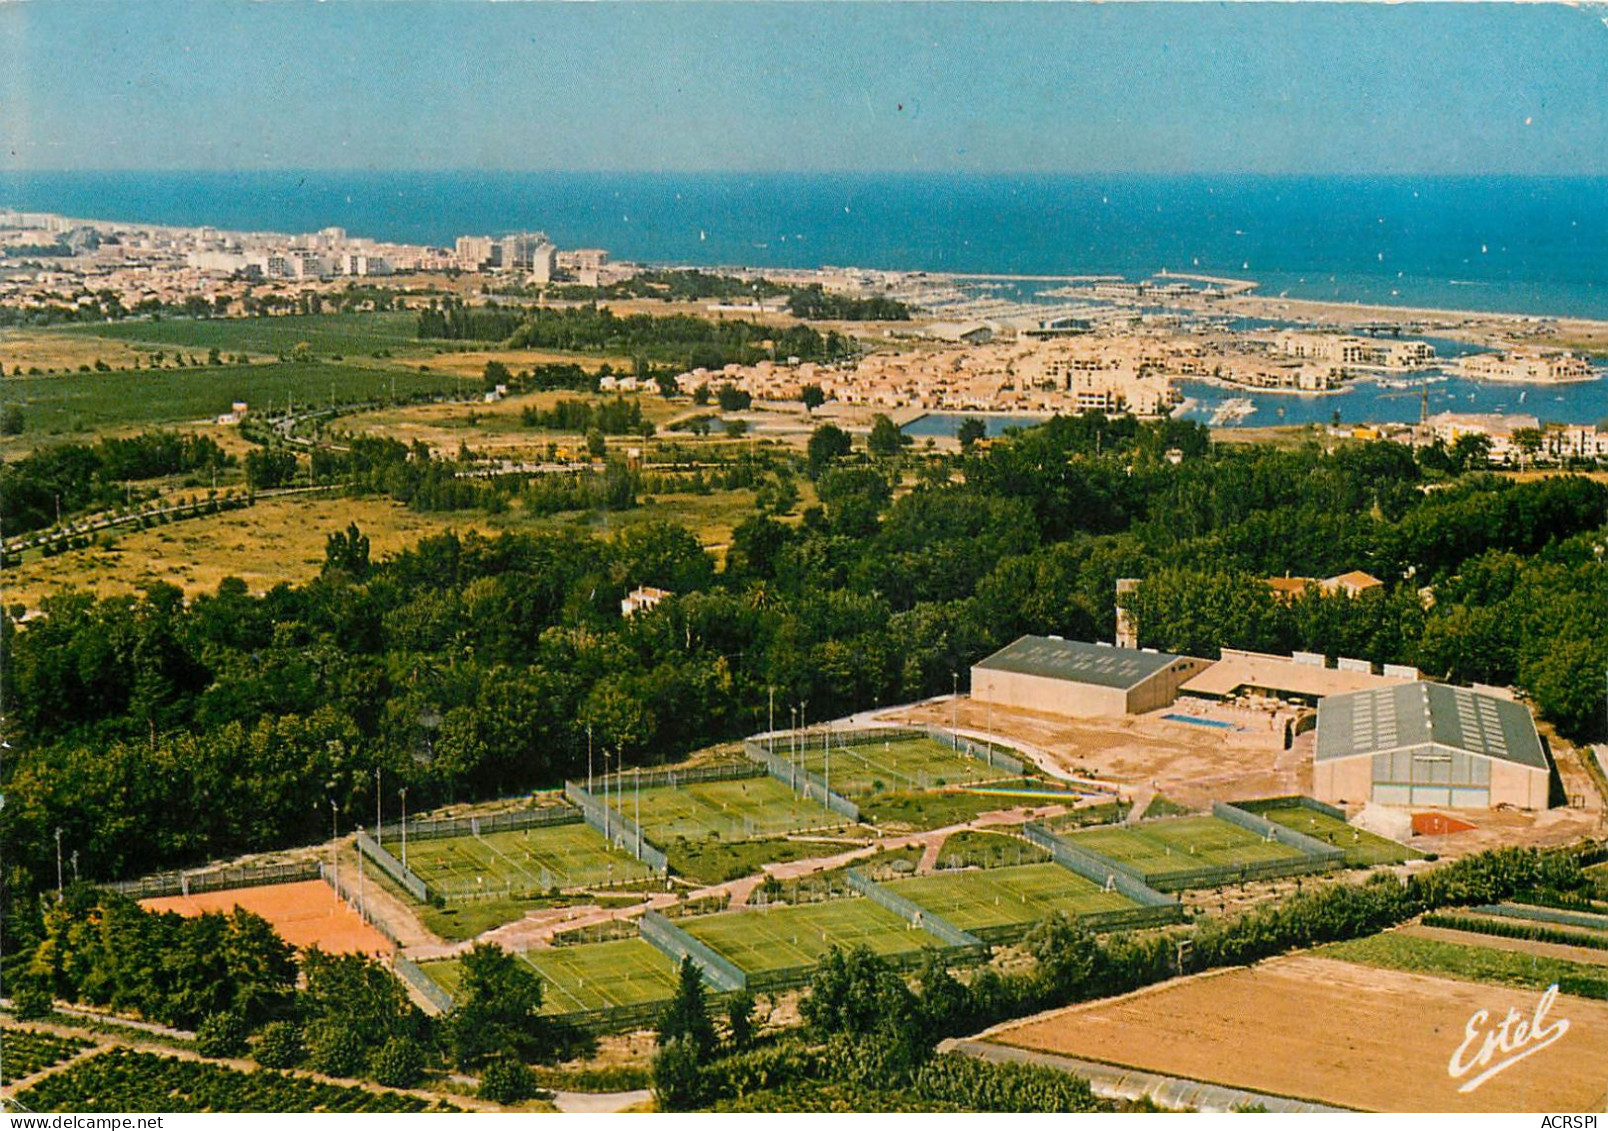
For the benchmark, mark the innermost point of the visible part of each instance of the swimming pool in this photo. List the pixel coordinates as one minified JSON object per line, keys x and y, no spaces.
{"x":1216,"y":723}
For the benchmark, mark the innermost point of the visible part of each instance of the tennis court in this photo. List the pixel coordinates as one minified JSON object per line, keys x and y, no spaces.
{"x":780,"y":938}
{"x":896,"y":765}
{"x":521,"y":861}
{"x":998,"y":897}
{"x":1362,"y":848}
{"x":1158,"y":849}
{"x":739,"y":809}
{"x":589,"y":976}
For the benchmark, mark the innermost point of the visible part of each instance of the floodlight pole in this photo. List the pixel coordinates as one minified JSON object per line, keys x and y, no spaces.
{"x":360,"y":900}
{"x":636,"y":777}
{"x":588,"y":757}
{"x":379,"y":813}
{"x":58,"y":861}
{"x":954,"y":712}
{"x":403,"y":792}
{"x":335,"y":840}
{"x":770,"y":719}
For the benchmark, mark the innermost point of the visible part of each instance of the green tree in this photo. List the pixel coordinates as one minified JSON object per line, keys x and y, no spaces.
{"x":347,"y":552}
{"x":686,"y":1015}
{"x":826,"y":444}
{"x":679,"y":1082}
{"x":812,"y":396}
{"x":740,"y":1020}
{"x":885,"y":437}
{"x":499,"y":1009}
{"x":970,"y":431}
{"x":11,"y":420}
{"x":596,"y":445}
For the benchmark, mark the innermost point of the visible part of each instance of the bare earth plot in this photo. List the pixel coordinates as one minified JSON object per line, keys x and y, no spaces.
{"x":1324,"y":1030}
{"x":305,"y":914}
{"x":1193,"y":765}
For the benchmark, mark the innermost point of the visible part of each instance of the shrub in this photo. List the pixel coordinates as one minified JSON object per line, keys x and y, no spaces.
{"x":505,"y":1080}
{"x":335,"y":1050}
{"x":221,"y":1035}
{"x":678,"y":1077}
{"x":398,"y":1064}
{"x":280,"y":1045}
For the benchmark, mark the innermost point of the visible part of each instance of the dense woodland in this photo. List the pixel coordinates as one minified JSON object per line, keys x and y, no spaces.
{"x":155,"y":731}
{"x":679,"y":338}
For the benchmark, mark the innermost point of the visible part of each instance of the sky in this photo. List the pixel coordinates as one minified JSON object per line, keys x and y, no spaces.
{"x":798,"y":86}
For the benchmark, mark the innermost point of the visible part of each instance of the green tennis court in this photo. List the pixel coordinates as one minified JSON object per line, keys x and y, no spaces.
{"x":1361,"y":847}
{"x":779,"y":938}
{"x":589,"y":976}
{"x":1174,"y":845}
{"x":521,"y":861}
{"x":997,"y":897}
{"x":896,"y":765}
{"x":740,"y":809}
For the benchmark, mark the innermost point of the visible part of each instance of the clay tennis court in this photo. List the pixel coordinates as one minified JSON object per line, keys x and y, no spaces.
{"x":306,"y":913}
{"x":1337,"y":1033}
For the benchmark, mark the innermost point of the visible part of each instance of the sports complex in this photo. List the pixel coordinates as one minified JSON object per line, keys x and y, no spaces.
{"x":615,"y":838}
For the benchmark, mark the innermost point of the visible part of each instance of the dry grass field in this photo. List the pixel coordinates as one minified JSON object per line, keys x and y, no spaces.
{"x":46,"y":350}
{"x":1318,"y":1029}
{"x":275,"y":540}
{"x":305,"y":914}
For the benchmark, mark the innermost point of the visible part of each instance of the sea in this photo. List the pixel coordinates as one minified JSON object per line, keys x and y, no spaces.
{"x":1509,"y":244}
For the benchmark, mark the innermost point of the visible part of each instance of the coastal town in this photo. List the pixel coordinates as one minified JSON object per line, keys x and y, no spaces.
{"x":1084,"y":344}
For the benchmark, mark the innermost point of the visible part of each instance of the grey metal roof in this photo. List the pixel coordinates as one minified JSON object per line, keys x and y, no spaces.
{"x":1427,"y":714}
{"x":1098,"y":664}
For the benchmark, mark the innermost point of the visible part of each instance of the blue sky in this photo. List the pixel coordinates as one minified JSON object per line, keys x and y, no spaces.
{"x":1052,"y":87}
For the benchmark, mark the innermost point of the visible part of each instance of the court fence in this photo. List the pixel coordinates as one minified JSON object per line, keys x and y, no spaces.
{"x":1102,"y":870}
{"x":216,"y":879}
{"x":405,"y":877}
{"x":801,"y":781}
{"x":1290,"y":801}
{"x":410,"y":972}
{"x":440,"y":828}
{"x":358,"y":903}
{"x":1132,"y":882}
{"x":719,"y":971}
{"x":912,"y":912}
{"x":618,"y":829}
{"x":985,"y":752}
{"x":1272,"y":830}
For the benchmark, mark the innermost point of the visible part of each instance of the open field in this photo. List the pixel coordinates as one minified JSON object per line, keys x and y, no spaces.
{"x":522,"y":860}
{"x":70,"y":403}
{"x":1163,"y":848}
{"x":326,"y":334}
{"x":282,"y":540}
{"x":56,"y":350}
{"x":1472,"y":958}
{"x":1589,"y":956}
{"x":1333,"y":1032}
{"x":779,"y":938}
{"x":906,"y":764}
{"x":276,"y":540}
{"x":305,"y":914}
{"x":1362,"y":848}
{"x":742,"y":809}
{"x":998,"y":897}
{"x":587,"y":976}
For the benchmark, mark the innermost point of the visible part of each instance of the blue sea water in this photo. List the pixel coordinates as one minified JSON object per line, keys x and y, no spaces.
{"x":1529,"y":245}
